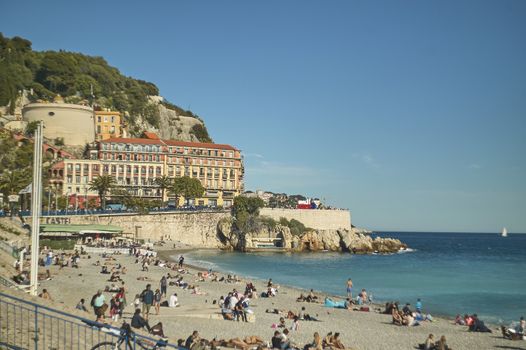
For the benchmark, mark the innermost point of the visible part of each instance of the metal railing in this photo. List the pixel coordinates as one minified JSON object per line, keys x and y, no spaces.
{"x":72,"y":212}
{"x":28,"y":325}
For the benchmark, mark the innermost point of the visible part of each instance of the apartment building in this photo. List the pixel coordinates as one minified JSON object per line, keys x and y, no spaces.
{"x":107,"y":125}
{"x":135,"y":163}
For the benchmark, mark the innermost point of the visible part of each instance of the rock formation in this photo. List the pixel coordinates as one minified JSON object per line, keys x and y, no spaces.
{"x":312,"y":240}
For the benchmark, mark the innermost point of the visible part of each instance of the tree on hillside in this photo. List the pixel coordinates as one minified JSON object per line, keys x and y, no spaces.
{"x":11,"y":182}
{"x":164,"y":182}
{"x":102,"y":185}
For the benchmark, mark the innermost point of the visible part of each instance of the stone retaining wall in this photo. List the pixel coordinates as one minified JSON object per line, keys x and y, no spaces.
{"x":194,"y":228}
{"x":318,"y":219}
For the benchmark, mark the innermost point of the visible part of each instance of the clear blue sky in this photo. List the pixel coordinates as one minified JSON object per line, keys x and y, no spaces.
{"x":410,"y":113}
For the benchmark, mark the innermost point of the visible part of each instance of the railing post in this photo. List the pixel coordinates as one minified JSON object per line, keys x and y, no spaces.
{"x":36,"y":327}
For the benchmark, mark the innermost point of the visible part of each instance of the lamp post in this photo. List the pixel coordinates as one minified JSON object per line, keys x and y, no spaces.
{"x":67,"y":202}
{"x":36,"y":201}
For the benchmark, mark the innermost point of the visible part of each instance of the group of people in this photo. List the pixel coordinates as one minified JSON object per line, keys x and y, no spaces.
{"x":473,"y":322}
{"x":406,"y":316}
{"x":431,"y":344}
{"x":235,"y":306}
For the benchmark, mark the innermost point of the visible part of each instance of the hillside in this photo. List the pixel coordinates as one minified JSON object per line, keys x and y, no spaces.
{"x":79,"y":78}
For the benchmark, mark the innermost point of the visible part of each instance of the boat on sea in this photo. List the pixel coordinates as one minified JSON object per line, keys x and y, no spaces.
{"x":504,"y":232}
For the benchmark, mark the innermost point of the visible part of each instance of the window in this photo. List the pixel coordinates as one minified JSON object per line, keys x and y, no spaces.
{"x":99,"y":119}
{"x":77,"y":179}
{"x":105,"y":119}
{"x":98,"y":129}
{"x":112,"y":119}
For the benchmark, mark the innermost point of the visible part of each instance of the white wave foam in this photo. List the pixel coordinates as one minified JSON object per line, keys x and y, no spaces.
{"x":407,"y":250}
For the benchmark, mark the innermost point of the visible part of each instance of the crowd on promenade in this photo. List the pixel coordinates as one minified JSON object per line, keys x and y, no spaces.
{"x":178,"y":283}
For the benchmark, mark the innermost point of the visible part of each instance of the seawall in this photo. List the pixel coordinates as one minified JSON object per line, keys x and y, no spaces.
{"x":318,"y":219}
{"x":194,"y":228}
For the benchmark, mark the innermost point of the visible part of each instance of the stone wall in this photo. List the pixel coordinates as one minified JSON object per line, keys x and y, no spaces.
{"x":318,"y":219}
{"x":194,"y":228}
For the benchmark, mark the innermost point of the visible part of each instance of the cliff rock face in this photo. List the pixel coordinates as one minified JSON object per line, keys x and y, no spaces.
{"x":171,"y":125}
{"x":235,"y":240}
{"x":313,"y":240}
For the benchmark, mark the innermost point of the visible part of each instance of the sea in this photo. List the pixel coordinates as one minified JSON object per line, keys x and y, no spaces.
{"x":452,"y":273}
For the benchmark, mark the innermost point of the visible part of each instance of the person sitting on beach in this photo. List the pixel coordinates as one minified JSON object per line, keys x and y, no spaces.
{"x":409,"y":320}
{"x":459,"y":320}
{"x":478,"y":325}
{"x":138,"y":322}
{"x":276,"y":340}
{"x":286,"y":341}
{"x":196,"y":291}
{"x":468,"y":320}
{"x":348,"y":304}
{"x":192,"y":339}
{"x":311,"y":298}
{"x":45,"y":295}
{"x":104,"y":270}
{"x":442,"y":344}
{"x":316,"y":343}
{"x":281,"y":323}
{"x":336,"y":342}
{"x":81,"y":306}
{"x":407,"y":310}
{"x":173,"y":302}
{"x":327,"y":341}
{"x":295,"y":324}
{"x":397,"y":317}
{"x":429,"y":344}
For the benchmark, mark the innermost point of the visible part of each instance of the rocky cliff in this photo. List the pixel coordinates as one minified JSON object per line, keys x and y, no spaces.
{"x":313,"y":240}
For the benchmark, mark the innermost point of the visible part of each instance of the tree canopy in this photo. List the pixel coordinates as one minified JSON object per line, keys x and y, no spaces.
{"x":77,"y":77}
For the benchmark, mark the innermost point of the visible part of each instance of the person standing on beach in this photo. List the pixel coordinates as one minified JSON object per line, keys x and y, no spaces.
{"x":181,"y":261}
{"x":349,"y":288}
{"x":164,"y":285}
{"x":147,"y":300}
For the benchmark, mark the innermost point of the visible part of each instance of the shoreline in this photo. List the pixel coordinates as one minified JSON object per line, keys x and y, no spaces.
{"x":167,"y":255}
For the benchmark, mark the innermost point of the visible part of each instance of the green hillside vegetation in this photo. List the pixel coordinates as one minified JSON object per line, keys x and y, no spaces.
{"x":77,"y":77}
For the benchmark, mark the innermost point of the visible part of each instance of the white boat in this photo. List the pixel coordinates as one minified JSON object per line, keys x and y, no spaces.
{"x":504,"y":232}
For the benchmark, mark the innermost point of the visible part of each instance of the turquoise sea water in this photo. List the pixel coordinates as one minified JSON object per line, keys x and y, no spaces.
{"x":451,"y":272}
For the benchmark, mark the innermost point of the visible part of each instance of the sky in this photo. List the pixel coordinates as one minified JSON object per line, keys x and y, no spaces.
{"x":412,"y":114}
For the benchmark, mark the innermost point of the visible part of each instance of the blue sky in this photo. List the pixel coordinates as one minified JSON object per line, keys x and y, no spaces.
{"x":412,"y":114}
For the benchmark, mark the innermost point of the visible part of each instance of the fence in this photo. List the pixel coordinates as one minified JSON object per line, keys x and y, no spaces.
{"x":28,"y":325}
{"x":8,"y":248}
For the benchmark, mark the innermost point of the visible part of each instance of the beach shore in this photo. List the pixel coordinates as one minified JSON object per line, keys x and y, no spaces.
{"x":359,"y":330}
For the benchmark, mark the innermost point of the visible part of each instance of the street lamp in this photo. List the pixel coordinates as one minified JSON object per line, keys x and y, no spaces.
{"x":36,"y":200}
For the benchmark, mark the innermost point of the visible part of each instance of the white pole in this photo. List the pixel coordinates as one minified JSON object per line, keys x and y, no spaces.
{"x":36,"y":208}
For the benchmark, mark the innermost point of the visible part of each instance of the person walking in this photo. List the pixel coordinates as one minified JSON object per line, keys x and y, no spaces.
{"x":157,"y":301}
{"x":147,"y":298}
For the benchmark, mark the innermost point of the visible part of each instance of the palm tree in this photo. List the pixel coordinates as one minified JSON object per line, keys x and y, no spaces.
{"x":102,"y":184}
{"x":164,"y":182}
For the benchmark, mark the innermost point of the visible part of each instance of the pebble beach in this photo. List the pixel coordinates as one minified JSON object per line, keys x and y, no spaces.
{"x":359,"y":330}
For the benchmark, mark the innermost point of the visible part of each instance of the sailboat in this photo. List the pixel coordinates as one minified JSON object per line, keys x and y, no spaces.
{"x":504,"y":232}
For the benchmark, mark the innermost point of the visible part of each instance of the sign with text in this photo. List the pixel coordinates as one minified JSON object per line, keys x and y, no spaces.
{"x":56,"y":221}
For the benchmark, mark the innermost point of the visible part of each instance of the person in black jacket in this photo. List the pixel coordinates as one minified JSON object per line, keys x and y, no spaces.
{"x":138,"y":321}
